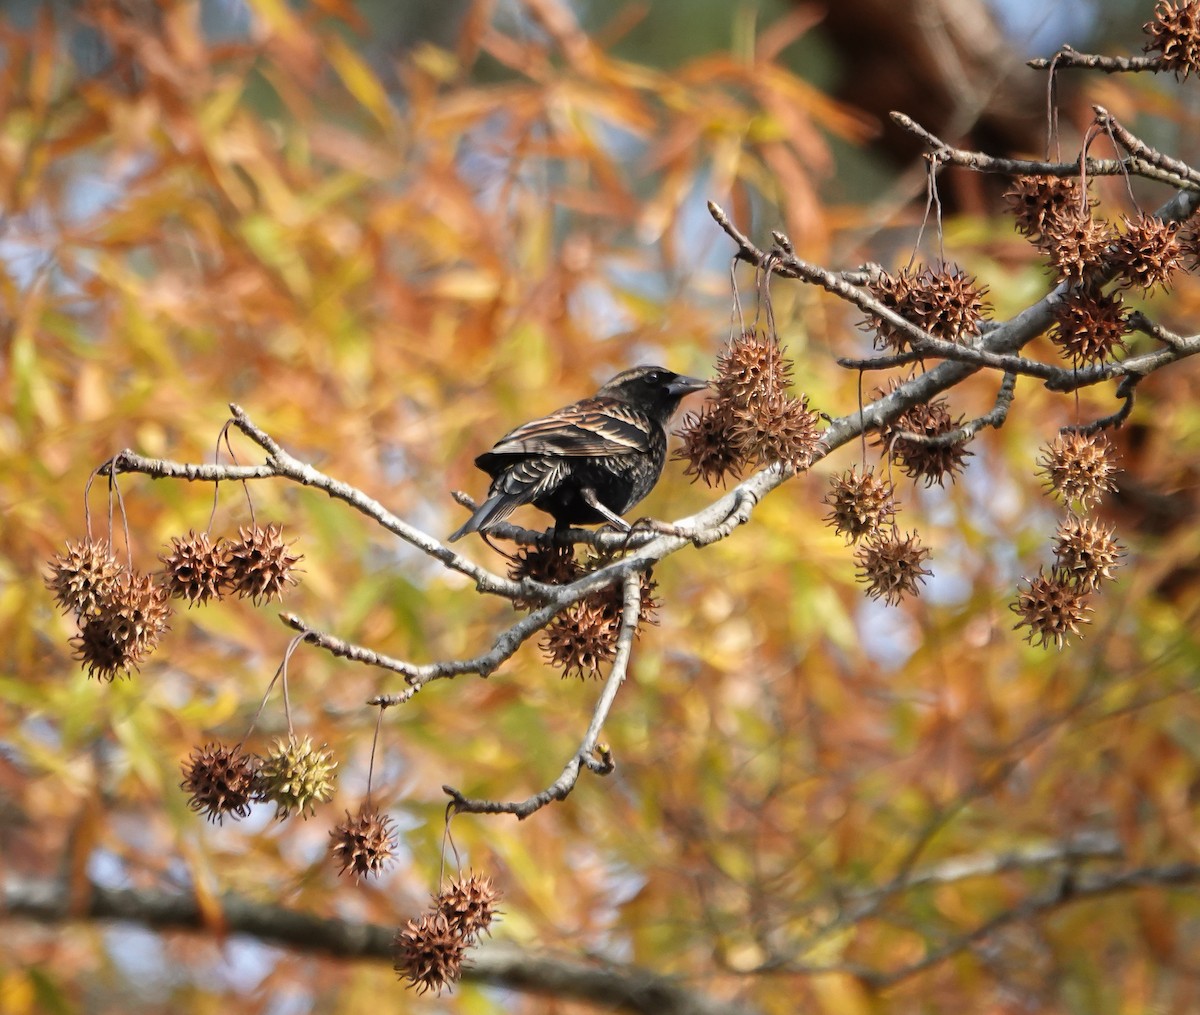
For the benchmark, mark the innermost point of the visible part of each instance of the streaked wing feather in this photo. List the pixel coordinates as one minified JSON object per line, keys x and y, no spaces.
{"x":585,"y":429}
{"x":527,"y":479}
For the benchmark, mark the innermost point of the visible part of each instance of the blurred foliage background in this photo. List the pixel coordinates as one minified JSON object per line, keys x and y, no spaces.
{"x":393,"y":231}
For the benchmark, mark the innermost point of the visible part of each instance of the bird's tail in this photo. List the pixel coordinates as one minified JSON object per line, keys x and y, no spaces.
{"x":491,"y":512}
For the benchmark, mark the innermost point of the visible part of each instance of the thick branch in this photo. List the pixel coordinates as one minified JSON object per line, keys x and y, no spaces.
{"x":608,"y":986}
{"x":1071,"y":888}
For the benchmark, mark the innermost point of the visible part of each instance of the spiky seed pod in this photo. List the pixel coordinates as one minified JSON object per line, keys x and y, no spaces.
{"x":860,"y":504}
{"x":947,"y":303}
{"x":893,"y":292}
{"x":581,"y":639}
{"x":1090,"y":324}
{"x":611,"y":598}
{"x":1148,"y":252}
{"x":84,"y":576}
{"x":750,"y":368}
{"x":781,"y":428}
{"x":469,"y":905}
{"x":1086,"y":551}
{"x":135,"y":616}
{"x":427,"y":953}
{"x":709,"y":444}
{"x":220,"y":781}
{"x":95,"y":647}
{"x":1052,"y":607}
{"x":195,"y":568}
{"x":1041,"y":204}
{"x":296,"y":776}
{"x":1175,"y":35}
{"x":258,"y":565}
{"x":891,"y":565}
{"x":1078,"y":467}
{"x":364,"y":843}
{"x":921,"y":460}
{"x":552,"y":565}
{"x":1076,"y":246}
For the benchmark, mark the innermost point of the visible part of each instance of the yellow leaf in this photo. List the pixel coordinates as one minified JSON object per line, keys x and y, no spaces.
{"x":359,"y":79}
{"x":843,"y":994}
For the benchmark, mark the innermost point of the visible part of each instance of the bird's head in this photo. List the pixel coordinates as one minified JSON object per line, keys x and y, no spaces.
{"x":655,"y":390}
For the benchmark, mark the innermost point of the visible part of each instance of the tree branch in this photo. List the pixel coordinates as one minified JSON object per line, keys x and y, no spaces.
{"x":606,"y":985}
{"x":1139,"y":149}
{"x":1150,"y":168}
{"x":590,"y":754}
{"x":1068,"y":57}
{"x":1068,"y":890}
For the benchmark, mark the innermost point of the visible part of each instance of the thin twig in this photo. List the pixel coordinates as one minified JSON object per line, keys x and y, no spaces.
{"x":1068,"y":56}
{"x":983,"y":163}
{"x":590,"y":754}
{"x":994,"y":418}
{"x":1138,"y":148}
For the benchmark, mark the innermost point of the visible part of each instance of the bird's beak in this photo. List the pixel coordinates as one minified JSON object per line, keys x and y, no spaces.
{"x":686,"y":385}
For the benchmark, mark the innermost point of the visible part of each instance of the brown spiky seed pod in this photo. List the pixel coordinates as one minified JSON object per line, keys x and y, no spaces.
{"x":195,"y":568}
{"x":1175,"y":35}
{"x":427,"y":953}
{"x":364,"y":843}
{"x":258,"y":565}
{"x":83,"y":576}
{"x":709,"y":444}
{"x":104,"y":657}
{"x":931,"y":461}
{"x":1090,"y":324}
{"x":554,"y":564}
{"x":611,"y":598}
{"x":137,"y":613}
{"x":860,"y":504}
{"x":781,"y":428}
{"x":892,"y":291}
{"x":946,"y":302}
{"x":750,"y":368}
{"x":1078,"y":467}
{"x":469,"y":905}
{"x":296,"y":776}
{"x":891,"y":565}
{"x":126,"y":627}
{"x":1087,"y":551}
{"x":1052,"y":607}
{"x":1148,"y":252}
{"x":1041,"y":204}
{"x":1076,"y":246}
{"x":220,"y":781}
{"x":583,"y":637}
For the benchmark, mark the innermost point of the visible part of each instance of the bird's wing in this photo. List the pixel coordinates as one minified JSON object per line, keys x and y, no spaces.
{"x":527,"y":479}
{"x":520,"y":482}
{"x":595,"y":426}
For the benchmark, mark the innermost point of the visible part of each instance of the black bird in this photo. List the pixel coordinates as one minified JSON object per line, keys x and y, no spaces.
{"x":587,"y":462}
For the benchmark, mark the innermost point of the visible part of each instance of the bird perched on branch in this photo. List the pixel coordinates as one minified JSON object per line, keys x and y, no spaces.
{"x":587,"y":462}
